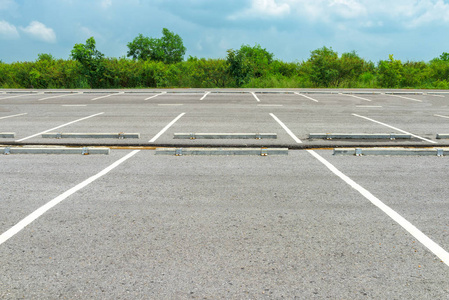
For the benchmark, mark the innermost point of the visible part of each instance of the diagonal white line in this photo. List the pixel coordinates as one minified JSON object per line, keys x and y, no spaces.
{"x":400,"y":130}
{"x":419,"y":235}
{"x":43,"y":209}
{"x":407,"y":98}
{"x":165,"y":128}
{"x":205,"y":95}
{"x":101,"y":97}
{"x":361,"y":98}
{"x":310,"y":98}
{"x":286,"y":129}
{"x":59,"y":96}
{"x":13,"y":116}
{"x":446,"y":117}
{"x":31,"y":136}
{"x":258,"y":100}
{"x":154,"y":96}
{"x":9,"y":97}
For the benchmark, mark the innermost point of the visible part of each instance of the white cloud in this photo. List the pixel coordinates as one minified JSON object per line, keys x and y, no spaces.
{"x":6,"y":4}
{"x":106,"y":3}
{"x":264,"y":8}
{"x":8,"y":31}
{"x":40,"y":32}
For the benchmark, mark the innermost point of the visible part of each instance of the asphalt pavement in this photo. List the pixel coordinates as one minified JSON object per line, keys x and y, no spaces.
{"x":310,"y":225}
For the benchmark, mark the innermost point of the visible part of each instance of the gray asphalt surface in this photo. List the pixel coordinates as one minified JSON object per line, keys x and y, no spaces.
{"x":232,"y":112}
{"x":233,"y":227}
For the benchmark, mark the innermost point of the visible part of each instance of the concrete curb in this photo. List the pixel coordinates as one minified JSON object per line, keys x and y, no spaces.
{"x":7,"y":135}
{"x":443,"y":136}
{"x":84,"y":151}
{"x":329,"y":136}
{"x":404,"y":93}
{"x":222,"y":151}
{"x":392,"y":151}
{"x":120,"y":135}
{"x":228,"y":136}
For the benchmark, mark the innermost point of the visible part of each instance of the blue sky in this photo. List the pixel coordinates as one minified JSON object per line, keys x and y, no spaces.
{"x":409,"y":29}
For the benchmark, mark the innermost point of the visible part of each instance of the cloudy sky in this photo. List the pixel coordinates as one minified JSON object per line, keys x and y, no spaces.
{"x":409,"y":29}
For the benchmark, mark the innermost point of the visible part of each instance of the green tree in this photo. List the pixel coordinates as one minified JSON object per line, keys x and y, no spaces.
{"x":45,"y":56}
{"x":390,"y":72}
{"x":248,"y":62}
{"x":324,"y":67}
{"x":91,"y":60}
{"x":141,"y":48}
{"x":168,"y":49}
{"x":444,"y":56}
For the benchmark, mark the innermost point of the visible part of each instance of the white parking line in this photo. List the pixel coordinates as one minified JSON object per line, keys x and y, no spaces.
{"x":436,"y":95}
{"x":369,"y":106}
{"x":415,"y":232}
{"x":310,"y":98}
{"x":20,"y":96}
{"x":31,"y":136}
{"x":286,"y":129}
{"x":205,"y":95}
{"x":13,"y":116}
{"x":258,"y":100}
{"x":446,"y":117}
{"x":154,"y":96}
{"x":43,"y":209}
{"x":404,"y":97}
{"x":361,"y":98}
{"x":165,"y":128}
{"x":59,"y":96}
{"x":101,"y":97}
{"x":400,"y":130}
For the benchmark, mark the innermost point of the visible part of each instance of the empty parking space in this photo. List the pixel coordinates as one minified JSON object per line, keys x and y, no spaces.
{"x":309,"y":224}
{"x":155,"y":221}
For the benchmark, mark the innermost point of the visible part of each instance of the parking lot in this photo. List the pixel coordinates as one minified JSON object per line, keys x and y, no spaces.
{"x":310,"y":224}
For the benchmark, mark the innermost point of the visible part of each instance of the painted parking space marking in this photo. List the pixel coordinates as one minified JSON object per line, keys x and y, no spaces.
{"x":166,"y":128}
{"x":286,"y":129}
{"x":6,"y":117}
{"x":441,"y":116}
{"x":34,"y":135}
{"x":255,"y":96}
{"x":397,"y":129}
{"x":59,"y":96}
{"x":361,"y":98}
{"x":407,"y":98}
{"x":310,"y":98}
{"x":369,"y":106}
{"x":154,"y":96}
{"x":415,"y":232}
{"x":409,"y":227}
{"x":17,"y":96}
{"x":101,"y":97}
{"x":43,"y":209}
{"x":205,"y":95}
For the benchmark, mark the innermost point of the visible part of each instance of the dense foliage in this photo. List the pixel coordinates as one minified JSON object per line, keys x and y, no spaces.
{"x":159,"y":63}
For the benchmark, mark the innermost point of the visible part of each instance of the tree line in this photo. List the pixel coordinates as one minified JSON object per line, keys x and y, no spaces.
{"x":159,"y":63}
